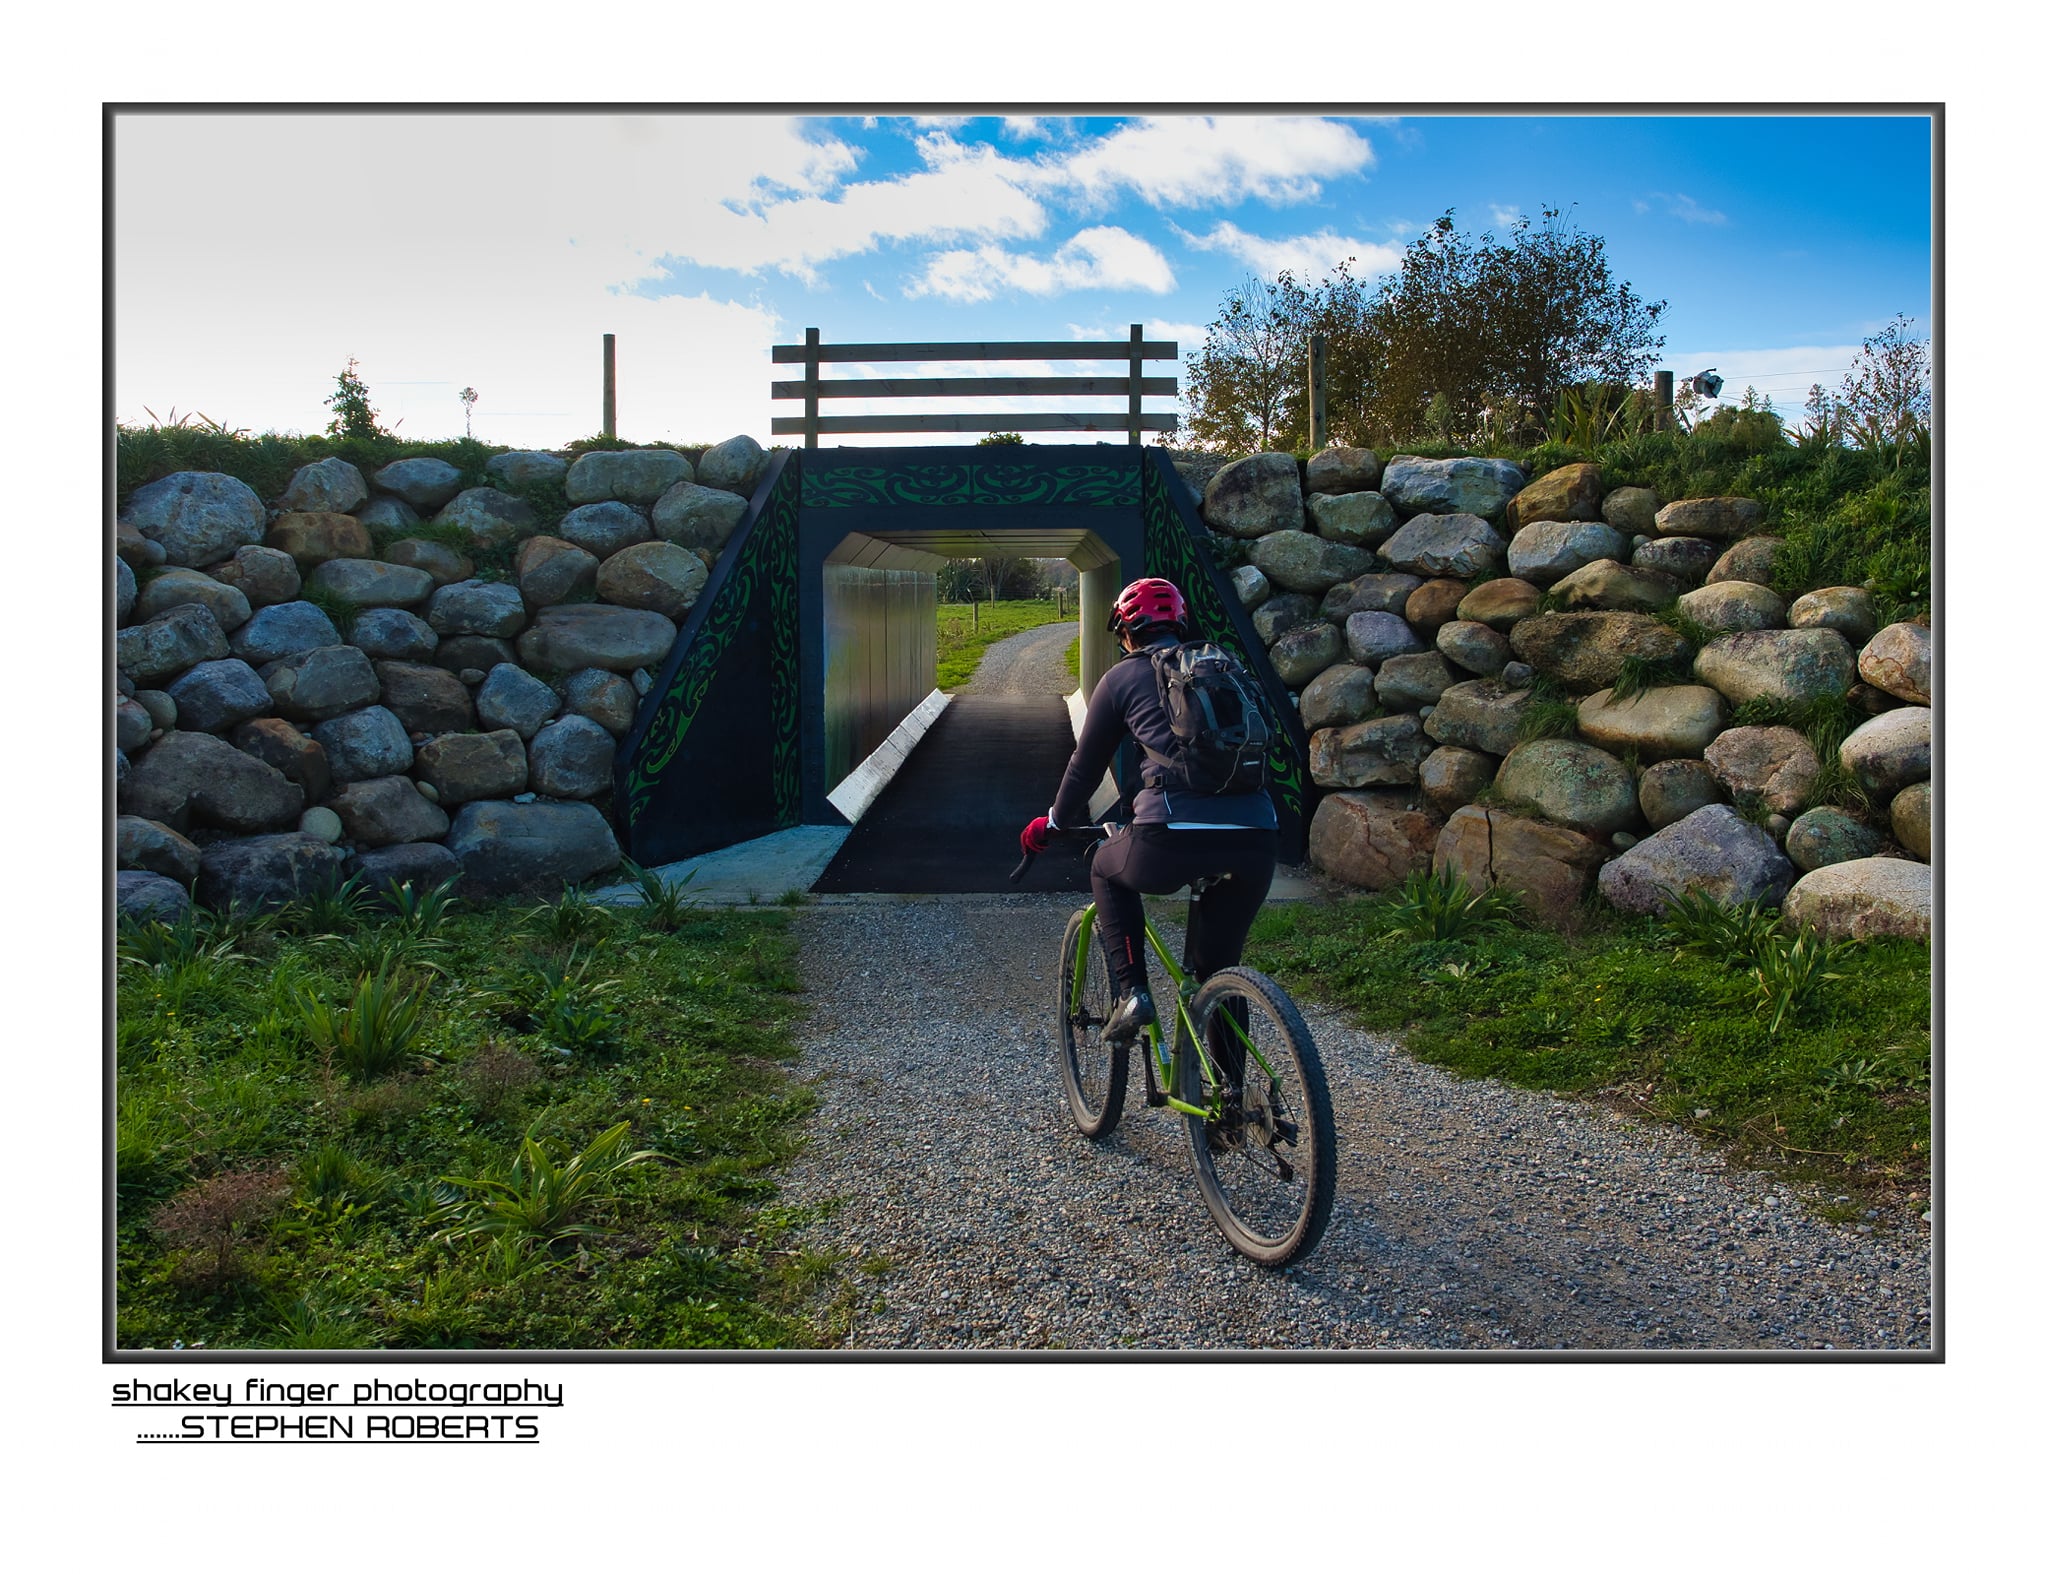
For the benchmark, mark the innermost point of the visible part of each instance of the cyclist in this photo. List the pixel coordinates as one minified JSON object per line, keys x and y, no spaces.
{"x":1174,"y":834}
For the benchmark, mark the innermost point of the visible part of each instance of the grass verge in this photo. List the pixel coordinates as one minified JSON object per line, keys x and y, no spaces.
{"x":966,"y":631}
{"x":1620,"y":1014}
{"x":478,"y":1130}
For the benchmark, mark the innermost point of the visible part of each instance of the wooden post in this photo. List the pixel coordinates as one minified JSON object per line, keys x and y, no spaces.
{"x":810,"y":388}
{"x":1318,"y":407}
{"x":1663,"y":387}
{"x":1137,"y":416}
{"x":611,"y":385}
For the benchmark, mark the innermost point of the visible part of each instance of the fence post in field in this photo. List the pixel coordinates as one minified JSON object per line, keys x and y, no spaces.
{"x":611,"y":385}
{"x":1137,"y":383}
{"x":1663,"y":400}
{"x":810,"y":388}
{"x":1318,"y":406}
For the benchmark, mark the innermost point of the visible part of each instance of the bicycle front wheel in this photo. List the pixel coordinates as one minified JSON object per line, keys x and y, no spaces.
{"x":1093,"y":1069}
{"x":1266,"y":1160}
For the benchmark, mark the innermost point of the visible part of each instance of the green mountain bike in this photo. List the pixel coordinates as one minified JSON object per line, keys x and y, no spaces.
{"x":1240,"y":1067}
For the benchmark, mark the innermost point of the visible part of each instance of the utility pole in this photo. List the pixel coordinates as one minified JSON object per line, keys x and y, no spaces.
{"x":611,"y":385}
{"x":1318,"y":404}
{"x":1662,"y":383}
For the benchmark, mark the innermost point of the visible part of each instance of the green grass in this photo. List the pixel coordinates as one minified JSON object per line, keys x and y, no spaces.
{"x":966,"y":631}
{"x":1623,"y":1013}
{"x":303,"y":1161}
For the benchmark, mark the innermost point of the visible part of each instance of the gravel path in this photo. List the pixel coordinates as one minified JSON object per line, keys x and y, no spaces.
{"x":1469,"y":1215}
{"x":1033,"y":662}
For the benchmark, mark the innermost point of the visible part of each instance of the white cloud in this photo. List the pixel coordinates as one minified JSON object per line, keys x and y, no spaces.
{"x":1103,"y":258}
{"x":1679,"y":206}
{"x":1505,"y":216}
{"x":1308,"y":257}
{"x":1213,"y":159}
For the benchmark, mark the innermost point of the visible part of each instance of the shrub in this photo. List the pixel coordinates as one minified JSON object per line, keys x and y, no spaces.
{"x":1428,"y":906}
{"x":376,"y":1031}
{"x":539,"y":1198}
{"x":208,"y":1225}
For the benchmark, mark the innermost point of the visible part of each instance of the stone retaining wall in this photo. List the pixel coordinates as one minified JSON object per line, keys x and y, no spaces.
{"x":1429,"y":614}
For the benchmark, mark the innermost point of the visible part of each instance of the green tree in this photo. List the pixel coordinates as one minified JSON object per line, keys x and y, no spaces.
{"x":1246,"y":386}
{"x":1886,"y":394}
{"x":350,"y":402}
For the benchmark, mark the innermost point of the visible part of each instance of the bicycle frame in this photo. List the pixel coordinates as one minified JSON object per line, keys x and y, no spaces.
{"x":1161,"y":1055}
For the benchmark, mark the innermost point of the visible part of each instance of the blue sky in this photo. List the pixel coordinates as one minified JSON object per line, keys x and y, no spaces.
{"x":517,"y":240}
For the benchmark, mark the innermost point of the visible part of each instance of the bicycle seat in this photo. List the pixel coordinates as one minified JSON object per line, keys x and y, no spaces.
{"x":1202,"y":883}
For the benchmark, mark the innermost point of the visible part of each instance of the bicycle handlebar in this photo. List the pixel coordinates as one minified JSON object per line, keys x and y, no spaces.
{"x":1096,"y":829}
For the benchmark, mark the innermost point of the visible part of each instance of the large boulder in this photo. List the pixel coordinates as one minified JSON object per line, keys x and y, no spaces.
{"x":1544,"y":553}
{"x":1461,"y":544}
{"x":514,"y":849}
{"x":1609,"y":586}
{"x":619,"y":639}
{"x":387,"y":809}
{"x":1451,"y":777}
{"x":464,"y":767}
{"x":318,"y":685}
{"x":133,"y":723}
{"x":1899,"y":660}
{"x":526,"y":467}
{"x":1451,"y":486}
{"x":141,"y":897}
{"x":693,"y":517}
{"x":1484,"y":714}
{"x":470,"y":656}
{"x":1359,"y":519}
{"x":273,"y":633}
{"x":422,"y":865}
{"x":215,"y":695}
{"x":1338,"y":696}
{"x":1411,"y":682}
{"x":125,"y":591}
{"x":1715,"y":518}
{"x":1501,"y":603}
{"x":1382,"y":752}
{"x":289,"y":752}
{"x":1672,"y":789}
{"x":368,"y":583}
{"x":165,"y":646}
{"x":735,"y":465}
{"x":1433,"y":603}
{"x":365,"y":743}
{"x":1369,"y":593}
{"x":1658,"y":724}
{"x":1793,"y":666}
{"x":1713,"y":851}
{"x":1277,"y":614}
{"x":393,"y":635}
{"x":1474,"y":647}
{"x":1548,"y":866}
{"x":438,"y":561}
{"x":197,"y":517}
{"x":1734,"y":606}
{"x":605,"y":697}
{"x":1630,"y":509}
{"x":1891,"y":751}
{"x":1254,"y":497}
{"x":1296,"y":560}
{"x":264,"y":575}
{"x":1865,"y":898}
{"x":1824,"y":836}
{"x":1371,"y":839}
{"x":477,"y":606}
{"x":511,"y":697}
{"x":330,"y":485}
{"x":627,"y":475}
{"x":134,"y":549}
{"x":1774,"y":766}
{"x":1686,"y":560}
{"x":1752,"y":560}
{"x":552,"y":570}
{"x":1338,"y":470}
{"x":385,"y":515}
{"x":604,"y":528}
{"x":655,"y":576}
{"x":178,"y":587}
{"x":490,"y":518}
{"x":1585,"y":650}
{"x":194,"y":778}
{"x":571,"y":758}
{"x":1913,"y":819}
{"x":425,"y":698}
{"x":1568,"y":783}
{"x":255,"y":872}
{"x":1301,"y":653}
{"x":1371,"y":637}
{"x":152,"y":845}
{"x":312,"y":539}
{"x":1568,"y":492}
{"x":425,"y":484}
{"x":1846,"y":609}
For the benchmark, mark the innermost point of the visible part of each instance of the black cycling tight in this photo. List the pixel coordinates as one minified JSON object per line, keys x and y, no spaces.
{"x":1155,"y":860}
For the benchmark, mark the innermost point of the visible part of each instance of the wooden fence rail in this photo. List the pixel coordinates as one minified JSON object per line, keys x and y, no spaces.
{"x":1132,"y":387}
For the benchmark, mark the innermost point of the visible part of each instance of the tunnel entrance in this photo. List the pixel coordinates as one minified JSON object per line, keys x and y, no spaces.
{"x":803,"y":679}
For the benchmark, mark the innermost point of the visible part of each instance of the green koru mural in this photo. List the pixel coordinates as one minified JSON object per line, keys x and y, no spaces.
{"x":1170,"y":554}
{"x":986,"y":482}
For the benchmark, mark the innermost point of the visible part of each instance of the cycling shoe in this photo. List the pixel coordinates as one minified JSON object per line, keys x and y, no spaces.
{"x":1133,"y":1012}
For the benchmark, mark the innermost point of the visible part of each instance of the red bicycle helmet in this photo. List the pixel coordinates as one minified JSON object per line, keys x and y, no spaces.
{"x":1147,"y":605}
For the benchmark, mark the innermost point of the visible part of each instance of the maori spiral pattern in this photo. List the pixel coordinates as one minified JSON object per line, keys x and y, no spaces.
{"x":986,"y":483}
{"x":1170,"y":554}
{"x":779,"y":554}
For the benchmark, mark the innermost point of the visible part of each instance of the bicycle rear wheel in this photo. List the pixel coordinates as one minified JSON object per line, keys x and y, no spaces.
{"x":1093,"y":1069}
{"x":1267,"y":1163}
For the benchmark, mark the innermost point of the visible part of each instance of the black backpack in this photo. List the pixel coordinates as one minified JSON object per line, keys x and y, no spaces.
{"x":1221,"y":727}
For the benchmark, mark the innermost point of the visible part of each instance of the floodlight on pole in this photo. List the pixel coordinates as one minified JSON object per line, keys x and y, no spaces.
{"x":1706,"y":384}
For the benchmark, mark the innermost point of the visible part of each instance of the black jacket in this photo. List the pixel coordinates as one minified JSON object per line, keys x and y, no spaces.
{"x":1127,"y":703}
